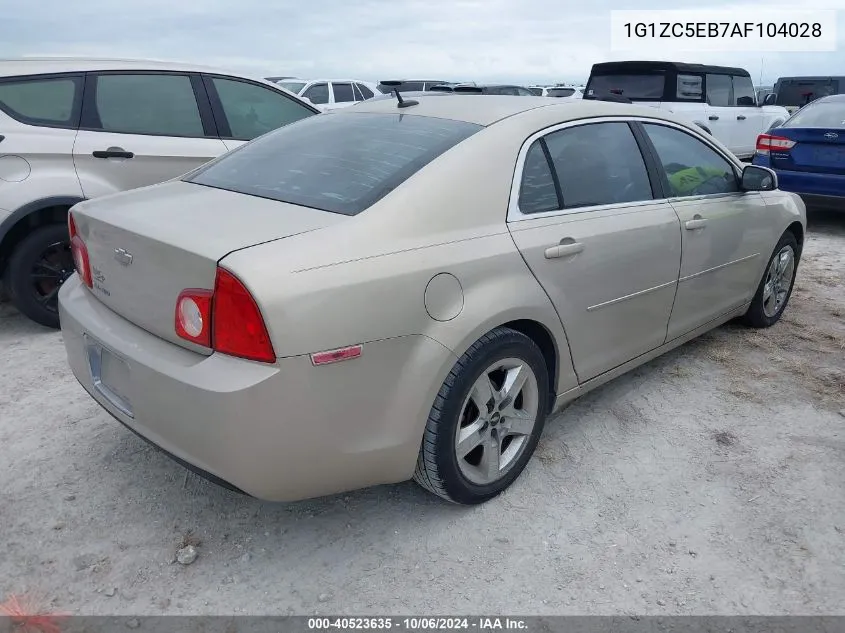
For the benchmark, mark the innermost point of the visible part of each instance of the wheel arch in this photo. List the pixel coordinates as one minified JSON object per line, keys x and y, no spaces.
{"x":50,"y":210}
{"x":797,"y":229}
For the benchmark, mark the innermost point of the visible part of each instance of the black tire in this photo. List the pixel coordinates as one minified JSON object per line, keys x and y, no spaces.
{"x":437,"y":466}
{"x":756,"y":316}
{"x":36,"y":298}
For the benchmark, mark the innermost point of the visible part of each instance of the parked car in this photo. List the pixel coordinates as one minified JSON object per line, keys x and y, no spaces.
{"x":394,"y":299}
{"x":330,"y":94}
{"x":719,"y":99}
{"x":409,"y":85}
{"x":486,"y":89}
{"x":138,"y":123}
{"x":808,"y":152}
{"x":795,"y":92}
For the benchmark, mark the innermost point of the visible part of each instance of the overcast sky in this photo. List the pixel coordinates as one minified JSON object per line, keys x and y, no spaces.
{"x":522,"y":41}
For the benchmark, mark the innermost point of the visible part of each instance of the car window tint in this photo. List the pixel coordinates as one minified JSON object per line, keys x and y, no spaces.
{"x":252,"y":110}
{"x":148,"y":104}
{"x":365,"y":92}
{"x":343,"y":93}
{"x":597,"y":164}
{"x":410,"y":86}
{"x":691,"y":166}
{"x":39,"y":100}
{"x":633,"y":86}
{"x":690,"y":87}
{"x":318,"y":93}
{"x":537,"y":190}
{"x":561,"y":92}
{"x":719,"y":90}
{"x":341,"y":163}
{"x":743,"y":87}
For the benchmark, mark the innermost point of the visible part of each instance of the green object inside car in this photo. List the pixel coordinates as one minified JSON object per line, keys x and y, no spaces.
{"x":687,"y":181}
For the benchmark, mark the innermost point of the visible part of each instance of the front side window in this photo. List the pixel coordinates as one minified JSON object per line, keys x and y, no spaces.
{"x":342,"y":163}
{"x":598,"y":163}
{"x":744,"y":92}
{"x":343,"y":93}
{"x":161,"y":105}
{"x":719,"y":90}
{"x":40,"y":101}
{"x":691,"y":167}
{"x":253,"y":110}
{"x":537,"y":192}
{"x":318,"y":93}
{"x":690,"y":87}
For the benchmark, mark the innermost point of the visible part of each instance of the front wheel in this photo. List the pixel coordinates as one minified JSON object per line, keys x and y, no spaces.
{"x":39,"y":265}
{"x":486,"y":420}
{"x":775,"y":287}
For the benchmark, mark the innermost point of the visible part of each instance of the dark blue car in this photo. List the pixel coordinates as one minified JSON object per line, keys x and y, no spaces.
{"x":808,"y":152}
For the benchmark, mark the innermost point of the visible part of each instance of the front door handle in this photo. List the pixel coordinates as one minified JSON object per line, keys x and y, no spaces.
{"x":564,"y":249}
{"x":695,"y":223}
{"x":112,"y":152}
{"x":713,"y":117}
{"x":741,"y":117}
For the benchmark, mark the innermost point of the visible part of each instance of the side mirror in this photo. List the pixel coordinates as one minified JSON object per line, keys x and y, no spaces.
{"x":770,"y":99}
{"x":756,"y":178}
{"x":746,"y":102}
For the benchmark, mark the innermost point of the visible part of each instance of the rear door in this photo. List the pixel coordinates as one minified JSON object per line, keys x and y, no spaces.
{"x":584,"y":217}
{"x":725,"y":234}
{"x":244,"y":110}
{"x":142,"y":128}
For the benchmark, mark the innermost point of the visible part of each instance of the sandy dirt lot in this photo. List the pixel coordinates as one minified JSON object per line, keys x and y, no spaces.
{"x":708,"y":481}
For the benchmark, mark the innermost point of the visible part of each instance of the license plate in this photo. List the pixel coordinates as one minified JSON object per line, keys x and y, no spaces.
{"x":834,"y":155}
{"x":110,"y":375}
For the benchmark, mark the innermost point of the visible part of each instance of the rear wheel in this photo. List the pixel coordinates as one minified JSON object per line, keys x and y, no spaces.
{"x":486,"y":420}
{"x":39,"y":265}
{"x":775,"y":287}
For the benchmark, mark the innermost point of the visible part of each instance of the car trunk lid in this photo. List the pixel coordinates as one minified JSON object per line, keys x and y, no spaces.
{"x":816,"y":150}
{"x":147,"y":246}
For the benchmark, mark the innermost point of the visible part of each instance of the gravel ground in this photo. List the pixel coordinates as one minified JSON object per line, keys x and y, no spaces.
{"x":708,"y":481}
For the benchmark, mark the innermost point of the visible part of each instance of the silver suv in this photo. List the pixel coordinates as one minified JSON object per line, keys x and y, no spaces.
{"x":74,"y":129}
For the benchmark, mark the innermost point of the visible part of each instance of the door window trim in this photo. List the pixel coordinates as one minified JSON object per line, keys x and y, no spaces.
{"x":224,"y":131}
{"x":515,"y":215}
{"x":90,"y":119}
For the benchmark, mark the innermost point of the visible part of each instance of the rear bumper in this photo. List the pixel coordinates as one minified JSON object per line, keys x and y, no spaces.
{"x":829,"y":187}
{"x":279,"y":432}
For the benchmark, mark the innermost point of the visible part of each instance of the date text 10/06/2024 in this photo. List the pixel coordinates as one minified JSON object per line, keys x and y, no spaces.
{"x":419,"y":623}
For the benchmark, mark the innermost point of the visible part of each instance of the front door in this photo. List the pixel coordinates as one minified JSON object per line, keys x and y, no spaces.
{"x":605,"y":252}
{"x":723,"y":229}
{"x":138,"y":129}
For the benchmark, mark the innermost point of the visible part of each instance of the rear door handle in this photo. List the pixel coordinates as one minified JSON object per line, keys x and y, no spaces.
{"x":741,"y":117}
{"x":564,"y":249}
{"x":713,"y":117}
{"x":112,"y":152}
{"x":695,"y":223}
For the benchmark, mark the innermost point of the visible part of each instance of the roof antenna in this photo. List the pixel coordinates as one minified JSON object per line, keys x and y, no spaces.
{"x":402,"y":103}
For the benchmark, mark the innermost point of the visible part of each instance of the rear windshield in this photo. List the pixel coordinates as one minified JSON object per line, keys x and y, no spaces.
{"x":827,"y":114}
{"x":799,"y":93}
{"x":341,"y":163}
{"x":537,"y":92}
{"x":644,"y":87}
{"x":561,"y":92}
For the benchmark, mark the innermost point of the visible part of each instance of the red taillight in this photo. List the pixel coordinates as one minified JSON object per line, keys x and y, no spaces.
{"x":79,"y":252}
{"x":767,"y":142}
{"x":193,"y":316}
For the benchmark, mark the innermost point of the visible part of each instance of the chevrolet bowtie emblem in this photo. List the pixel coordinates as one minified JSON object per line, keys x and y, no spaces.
{"x":124,"y":257}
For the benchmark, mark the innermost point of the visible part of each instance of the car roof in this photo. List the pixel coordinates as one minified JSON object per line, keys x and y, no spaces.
{"x":45,"y":65}
{"x":488,"y":109}
{"x":651,"y":66}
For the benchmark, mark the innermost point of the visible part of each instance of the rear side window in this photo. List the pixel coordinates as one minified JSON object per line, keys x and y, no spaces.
{"x":253,"y":110}
{"x":41,"y":101}
{"x":690,"y":87}
{"x":537,"y":192}
{"x":162,"y":105}
{"x":824,"y":114}
{"x":343,"y":93}
{"x":342,"y":163}
{"x":691,"y":167}
{"x":318,"y":93}
{"x":599,"y":163}
{"x":635,"y":87}
{"x":365,"y":92}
